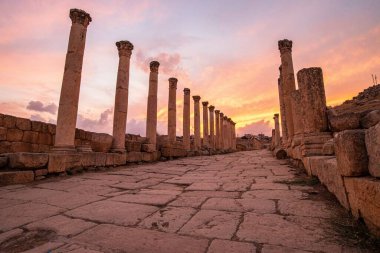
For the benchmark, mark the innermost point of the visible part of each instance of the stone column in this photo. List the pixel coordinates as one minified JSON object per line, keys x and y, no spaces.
{"x":225,"y":132}
{"x":282,"y":108}
{"x":186,"y":119}
{"x":229,"y":129}
{"x":151,"y":118}
{"x":233,"y":136}
{"x":68,"y":101}
{"x":221,"y":126}
{"x":205,"y":124}
{"x":197,"y":123}
{"x":288,"y":83}
{"x":217,"y":130}
{"x":313,"y":100}
{"x":172,"y":111}
{"x":121,"y":96}
{"x":277,"y":139}
{"x":212,"y":127}
{"x":297,"y":112}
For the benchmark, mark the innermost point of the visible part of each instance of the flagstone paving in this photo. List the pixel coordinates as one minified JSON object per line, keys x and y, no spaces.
{"x":225,"y":203}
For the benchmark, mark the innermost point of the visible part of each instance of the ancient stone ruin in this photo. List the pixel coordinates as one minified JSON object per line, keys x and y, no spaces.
{"x":31,"y":150}
{"x":340,"y":145}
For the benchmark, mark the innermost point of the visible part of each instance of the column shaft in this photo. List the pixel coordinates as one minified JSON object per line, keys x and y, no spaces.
{"x":221,"y":126}
{"x":277,"y":140}
{"x":212,"y":127}
{"x":172,"y":111}
{"x":186,"y":119}
{"x":217,"y":130}
{"x":69,"y":98}
{"x":282,"y":109}
{"x":197,"y":123}
{"x":205,"y":124}
{"x":151,"y":118}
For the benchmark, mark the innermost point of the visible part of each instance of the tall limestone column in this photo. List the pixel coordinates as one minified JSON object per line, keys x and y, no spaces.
{"x":288,"y":83}
{"x":172,"y":111}
{"x":217,"y":130}
{"x":229,"y":136}
{"x":186,"y":119}
{"x":297,"y":112}
{"x":68,"y":101}
{"x":205,"y":124}
{"x":121,"y":96}
{"x":277,"y":139}
{"x":313,"y":100}
{"x":234,"y":135}
{"x":212,"y":127}
{"x":282,"y":108}
{"x":225,"y":132}
{"x":151,"y":118}
{"x":221,"y":126}
{"x":197,"y":123}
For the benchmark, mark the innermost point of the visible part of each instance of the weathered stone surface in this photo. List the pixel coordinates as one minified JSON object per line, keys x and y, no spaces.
{"x":23,"y":124}
{"x":30,"y":136}
{"x":218,"y":246}
{"x":280,"y":153}
{"x":3,"y":133}
{"x":27,"y":160}
{"x":214,"y":224}
{"x":351,"y":153}
{"x":40,"y":172}
{"x":62,"y":162}
{"x":101,"y":142}
{"x":133,"y":157}
{"x":16,"y":177}
{"x":344,"y":121}
{"x":173,"y":152}
{"x":140,"y":240}
{"x":141,"y":198}
{"x":240,"y":205}
{"x":148,"y":148}
{"x":370,"y":119}
{"x":330,"y":176}
{"x":364,"y":198}
{"x":133,"y":146}
{"x":372,"y":141}
{"x":14,"y":134}
{"x":328,"y":147}
{"x":188,"y":201}
{"x":150,"y":157}
{"x":306,"y":208}
{"x":3,"y":161}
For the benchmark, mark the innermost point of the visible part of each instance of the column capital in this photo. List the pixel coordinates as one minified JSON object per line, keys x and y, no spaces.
{"x":276,"y":115}
{"x":186,"y":91}
{"x":124,"y":47}
{"x":80,"y":16}
{"x":217,"y":112}
{"x":211,"y":108}
{"x":196,"y":98}
{"x":204,"y":103}
{"x":221,"y":114}
{"x":173,"y":83}
{"x":225,"y":117}
{"x":154,"y":66}
{"x":285,"y":46}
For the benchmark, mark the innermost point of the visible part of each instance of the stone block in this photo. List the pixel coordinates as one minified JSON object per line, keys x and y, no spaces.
{"x":21,"y":147}
{"x":27,"y":160}
{"x":30,"y":137}
{"x":14,"y":134}
{"x":88,"y":136}
{"x":40,"y":172}
{"x":351,"y":153}
{"x":134,"y":157}
{"x":344,"y":121}
{"x":50,"y":128}
{"x":316,"y":162}
{"x":148,"y":148}
{"x":364,"y":198}
{"x":2,"y":116}
{"x":101,"y":142}
{"x":60,"y":162}
{"x":116,"y":159}
{"x":37,"y":126}
{"x":328,"y":147}
{"x":23,"y":124}
{"x":43,"y":148}
{"x":150,"y":157}
{"x":3,"y":161}
{"x":174,"y":152}
{"x":329,"y":176}
{"x":101,"y":159}
{"x":370,"y":119}
{"x":372,"y":141}
{"x":16,"y":177}
{"x":45,"y":138}
{"x":35,"y":148}
{"x":280,"y":153}
{"x":5,"y":147}
{"x":3,"y":134}
{"x":88,"y":159}
{"x":133,"y":146}
{"x":9,"y":121}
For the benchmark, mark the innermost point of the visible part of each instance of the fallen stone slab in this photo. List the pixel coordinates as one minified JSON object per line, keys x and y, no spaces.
{"x":344,"y":121}
{"x":351,"y":153}
{"x":16,"y":177}
{"x":61,"y":162}
{"x":27,"y":160}
{"x":372,"y":141}
{"x":370,"y":119}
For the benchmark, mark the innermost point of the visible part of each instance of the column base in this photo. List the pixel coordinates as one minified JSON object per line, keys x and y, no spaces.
{"x":118,"y":150}
{"x":63,"y":149}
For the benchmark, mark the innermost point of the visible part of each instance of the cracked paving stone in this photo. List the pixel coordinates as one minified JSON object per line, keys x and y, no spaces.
{"x":188,"y":201}
{"x":142,"y":198}
{"x":219,"y":246}
{"x":240,"y":205}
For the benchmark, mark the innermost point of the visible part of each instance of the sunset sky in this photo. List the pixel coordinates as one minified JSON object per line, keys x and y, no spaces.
{"x":224,"y":51}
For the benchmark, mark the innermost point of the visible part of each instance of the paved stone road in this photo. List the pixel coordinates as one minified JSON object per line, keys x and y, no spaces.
{"x":225,"y":203}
